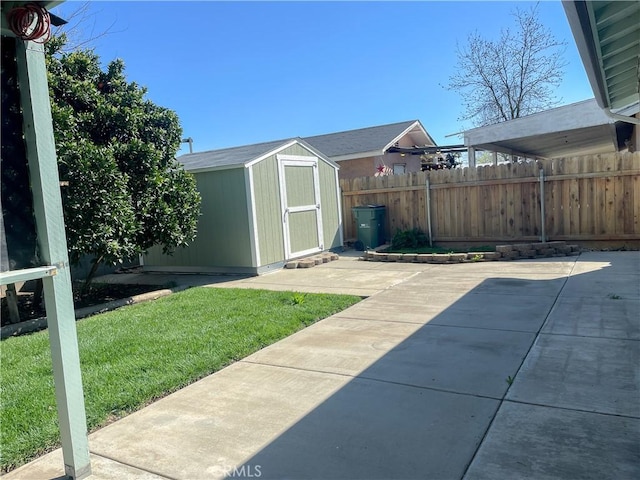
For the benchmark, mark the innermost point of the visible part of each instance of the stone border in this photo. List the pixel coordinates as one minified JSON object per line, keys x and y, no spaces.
{"x":36,"y":324}
{"x":308,"y":262}
{"x":503,"y":252}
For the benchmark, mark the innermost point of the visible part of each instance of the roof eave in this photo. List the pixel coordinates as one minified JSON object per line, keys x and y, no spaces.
{"x":273,"y":151}
{"x":577,"y":13}
{"x":249,"y":163}
{"x":354,"y":156}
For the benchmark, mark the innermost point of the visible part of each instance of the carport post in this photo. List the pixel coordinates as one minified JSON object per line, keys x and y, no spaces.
{"x":52,"y":242}
{"x":472,"y":157}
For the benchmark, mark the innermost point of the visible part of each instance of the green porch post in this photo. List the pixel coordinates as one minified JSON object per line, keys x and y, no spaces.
{"x":47,"y":205}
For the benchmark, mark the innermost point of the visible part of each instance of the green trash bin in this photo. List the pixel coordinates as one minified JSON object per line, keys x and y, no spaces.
{"x":370,"y":225}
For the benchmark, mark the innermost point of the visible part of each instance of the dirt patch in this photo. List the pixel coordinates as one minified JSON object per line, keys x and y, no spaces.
{"x":29,"y":309}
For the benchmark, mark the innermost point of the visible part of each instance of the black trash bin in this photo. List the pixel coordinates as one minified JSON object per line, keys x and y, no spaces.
{"x":370,"y":225}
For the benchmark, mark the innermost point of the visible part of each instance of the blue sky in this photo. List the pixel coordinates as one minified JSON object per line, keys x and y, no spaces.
{"x":238,"y":73}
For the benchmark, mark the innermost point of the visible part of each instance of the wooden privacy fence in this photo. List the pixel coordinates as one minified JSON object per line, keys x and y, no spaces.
{"x":595,"y":197}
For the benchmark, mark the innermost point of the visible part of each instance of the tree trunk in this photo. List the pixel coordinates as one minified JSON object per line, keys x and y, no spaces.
{"x":94,"y":268}
{"x":38,"y":293}
{"x":12,"y":303}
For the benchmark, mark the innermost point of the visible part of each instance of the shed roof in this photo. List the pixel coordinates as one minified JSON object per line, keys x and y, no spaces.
{"x":368,"y":141}
{"x":240,"y":156}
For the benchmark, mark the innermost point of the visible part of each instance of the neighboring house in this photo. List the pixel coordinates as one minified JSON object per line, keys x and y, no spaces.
{"x":365,"y":151}
{"x":262,"y":205}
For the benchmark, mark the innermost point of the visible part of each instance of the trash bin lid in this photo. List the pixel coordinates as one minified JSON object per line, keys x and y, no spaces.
{"x":369,"y":206}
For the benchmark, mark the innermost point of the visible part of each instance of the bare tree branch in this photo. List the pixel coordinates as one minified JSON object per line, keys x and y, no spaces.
{"x":80,"y":29}
{"x":511,"y":77}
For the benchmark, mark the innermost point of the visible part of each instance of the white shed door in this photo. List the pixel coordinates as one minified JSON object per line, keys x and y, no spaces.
{"x":301,"y":210}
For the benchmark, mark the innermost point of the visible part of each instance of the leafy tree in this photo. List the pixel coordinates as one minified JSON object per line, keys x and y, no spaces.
{"x":511,"y":77}
{"x":122,"y":190}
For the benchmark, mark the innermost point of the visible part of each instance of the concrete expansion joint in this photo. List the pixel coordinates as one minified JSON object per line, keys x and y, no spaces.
{"x":130,"y":465}
{"x":434,"y":389}
{"x":371,"y":379}
{"x":582,"y":410}
{"x":300,"y":369}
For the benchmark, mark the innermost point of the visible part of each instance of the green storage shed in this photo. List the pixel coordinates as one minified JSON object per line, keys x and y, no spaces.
{"x":262,"y":205}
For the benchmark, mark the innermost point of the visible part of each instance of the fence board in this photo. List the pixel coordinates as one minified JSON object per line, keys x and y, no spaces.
{"x":591,"y":197}
{"x":610,"y":198}
{"x":586,"y":197}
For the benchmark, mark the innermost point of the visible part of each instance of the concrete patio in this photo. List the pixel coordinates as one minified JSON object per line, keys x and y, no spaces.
{"x":492,"y":370}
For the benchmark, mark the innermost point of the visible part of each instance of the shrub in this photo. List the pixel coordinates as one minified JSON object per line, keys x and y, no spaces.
{"x":413,"y":238}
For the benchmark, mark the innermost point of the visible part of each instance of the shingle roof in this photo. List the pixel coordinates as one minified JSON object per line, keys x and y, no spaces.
{"x":228,"y":156}
{"x":358,"y":141}
{"x":350,"y":142}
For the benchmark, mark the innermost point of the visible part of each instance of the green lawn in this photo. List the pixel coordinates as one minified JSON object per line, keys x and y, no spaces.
{"x":142,"y":352}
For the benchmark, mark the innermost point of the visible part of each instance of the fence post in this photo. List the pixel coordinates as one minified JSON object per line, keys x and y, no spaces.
{"x":543,"y":235}
{"x":428,"y":195}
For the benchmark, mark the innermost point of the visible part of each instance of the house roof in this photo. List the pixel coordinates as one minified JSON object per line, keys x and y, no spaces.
{"x":371,"y":141}
{"x":577,"y":129}
{"x":240,"y":156}
{"x":607,"y":34}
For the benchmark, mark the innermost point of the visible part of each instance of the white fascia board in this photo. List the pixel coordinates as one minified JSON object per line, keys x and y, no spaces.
{"x":406,"y":131}
{"x":214,"y":169}
{"x":581,"y":23}
{"x":354,"y":156}
{"x":339,"y":195}
{"x":253,"y":219}
{"x":270,"y":153}
{"x":241,"y":165}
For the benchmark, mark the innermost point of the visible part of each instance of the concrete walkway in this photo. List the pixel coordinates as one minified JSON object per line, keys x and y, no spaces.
{"x":492,"y":370}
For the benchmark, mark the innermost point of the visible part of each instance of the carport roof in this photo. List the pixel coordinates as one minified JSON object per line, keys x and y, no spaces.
{"x":240,"y":156}
{"x":577,"y":129}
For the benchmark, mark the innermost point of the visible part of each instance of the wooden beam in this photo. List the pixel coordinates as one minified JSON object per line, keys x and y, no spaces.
{"x":47,"y":206}
{"x":384,"y":190}
{"x":504,"y":181}
{"x":15,"y":276}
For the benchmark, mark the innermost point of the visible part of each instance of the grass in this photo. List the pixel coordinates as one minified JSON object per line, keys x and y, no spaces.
{"x":436,"y":249}
{"x":137,"y":354}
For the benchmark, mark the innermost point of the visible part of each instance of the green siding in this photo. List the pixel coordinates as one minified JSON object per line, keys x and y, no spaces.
{"x":329,"y":205}
{"x":328,"y":197}
{"x":297,"y":150}
{"x":268,"y":211}
{"x":223,"y":227}
{"x":268,"y":206}
{"x":299,"y":184}
{"x":304,"y":231}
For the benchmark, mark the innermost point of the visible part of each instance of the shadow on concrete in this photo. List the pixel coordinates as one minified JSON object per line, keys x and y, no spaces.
{"x":521,"y":377}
